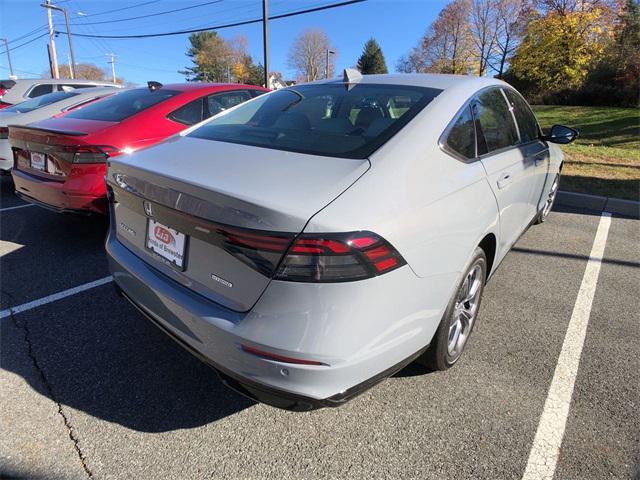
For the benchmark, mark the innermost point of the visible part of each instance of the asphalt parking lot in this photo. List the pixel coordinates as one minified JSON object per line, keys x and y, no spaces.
{"x":89,"y":389}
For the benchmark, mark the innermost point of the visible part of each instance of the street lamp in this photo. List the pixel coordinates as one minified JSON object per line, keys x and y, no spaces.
{"x":72,"y":67}
{"x":326,"y":68}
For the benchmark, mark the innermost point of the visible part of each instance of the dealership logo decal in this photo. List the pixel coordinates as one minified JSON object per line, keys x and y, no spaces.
{"x":164,"y":235}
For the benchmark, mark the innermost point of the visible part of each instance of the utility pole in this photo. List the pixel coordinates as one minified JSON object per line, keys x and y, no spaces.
{"x":113,"y":65}
{"x":326,"y":67}
{"x":6,"y":46}
{"x":50,"y":7}
{"x":52,"y":44}
{"x":265,"y":40}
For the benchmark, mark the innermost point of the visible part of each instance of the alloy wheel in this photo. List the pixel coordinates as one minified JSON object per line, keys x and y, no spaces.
{"x":464,"y":312}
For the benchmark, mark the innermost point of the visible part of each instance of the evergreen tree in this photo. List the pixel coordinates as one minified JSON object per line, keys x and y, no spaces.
{"x":372,"y":59}
{"x":211,"y":57}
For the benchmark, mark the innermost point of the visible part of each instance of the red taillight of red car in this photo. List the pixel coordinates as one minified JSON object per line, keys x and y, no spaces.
{"x":92,"y":153}
{"x":338,"y":258}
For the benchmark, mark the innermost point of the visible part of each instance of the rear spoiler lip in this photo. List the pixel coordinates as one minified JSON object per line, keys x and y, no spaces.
{"x":71,"y":133}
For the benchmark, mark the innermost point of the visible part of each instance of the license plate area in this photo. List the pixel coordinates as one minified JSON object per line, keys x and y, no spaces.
{"x":38,"y":161}
{"x":167,"y":244}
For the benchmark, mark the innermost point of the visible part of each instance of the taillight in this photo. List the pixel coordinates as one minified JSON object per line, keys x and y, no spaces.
{"x":2,"y":91}
{"x":338,"y":258}
{"x":93,"y":153}
{"x":4,"y":133}
{"x":330,"y":257}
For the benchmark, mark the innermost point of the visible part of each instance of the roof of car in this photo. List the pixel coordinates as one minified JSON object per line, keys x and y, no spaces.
{"x":66,"y":81}
{"x":190,"y":86}
{"x":431,"y":80}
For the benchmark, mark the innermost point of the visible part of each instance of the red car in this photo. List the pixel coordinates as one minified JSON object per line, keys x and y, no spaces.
{"x":60,"y":163}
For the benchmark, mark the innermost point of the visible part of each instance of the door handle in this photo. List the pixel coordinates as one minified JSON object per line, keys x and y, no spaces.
{"x":504,"y":180}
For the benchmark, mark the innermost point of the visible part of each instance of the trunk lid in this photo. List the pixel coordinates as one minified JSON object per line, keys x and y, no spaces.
{"x":65,"y":124}
{"x":52,"y":147}
{"x":238,"y":207}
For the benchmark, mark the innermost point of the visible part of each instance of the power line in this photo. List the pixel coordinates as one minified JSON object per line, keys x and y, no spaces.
{"x":151,"y":15}
{"x":118,"y":9}
{"x":20,"y":71}
{"x":35,"y":30}
{"x":25,"y":43}
{"x":220,"y":27}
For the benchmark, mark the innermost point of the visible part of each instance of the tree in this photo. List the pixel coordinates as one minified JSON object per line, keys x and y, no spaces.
{"x":627,"y":40}
{"x":211,"y":57}
{"x":86,"y":71}
{"x":308,"y":55}
{"x":558,"y":50}
{"x":372,"y":59}
{"x":484,"y":31}
{"x":513,"y":17}
{"x":447,"y":45}
{"x":615,"y":80}
{"x":218,"y":60}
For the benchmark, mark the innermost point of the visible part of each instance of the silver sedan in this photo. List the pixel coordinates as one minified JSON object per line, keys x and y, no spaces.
{"x":315,"y":240}
{"x":40,"y":108}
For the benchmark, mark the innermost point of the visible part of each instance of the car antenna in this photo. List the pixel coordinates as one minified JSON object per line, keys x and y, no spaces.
{"x":153,"y":86}
{"x":351,"y":76}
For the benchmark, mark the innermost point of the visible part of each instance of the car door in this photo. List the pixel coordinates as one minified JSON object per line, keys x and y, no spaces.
{"x":509,"y":172}
{"x":534,"y":150}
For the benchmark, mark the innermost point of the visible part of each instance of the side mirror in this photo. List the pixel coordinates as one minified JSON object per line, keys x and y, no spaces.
{"x":561,"y":134}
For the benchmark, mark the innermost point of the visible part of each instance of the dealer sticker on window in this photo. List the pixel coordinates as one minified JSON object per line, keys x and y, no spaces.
{"x":166,"y":242}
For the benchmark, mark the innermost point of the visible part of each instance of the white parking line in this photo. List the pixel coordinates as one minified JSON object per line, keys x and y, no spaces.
{"x":545,"y":450}
{"x":54,"y":297}
{"x":15,"y":208}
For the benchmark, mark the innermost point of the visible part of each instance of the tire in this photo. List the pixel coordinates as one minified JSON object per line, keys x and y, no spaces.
{"x":551,"y":198}
{"x":447,"y":345}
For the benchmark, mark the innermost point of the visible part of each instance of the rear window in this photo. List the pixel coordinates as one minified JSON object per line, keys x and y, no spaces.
{"x":328,"y":119}
{"x":123,"y":105}
{"x":39,"y":102}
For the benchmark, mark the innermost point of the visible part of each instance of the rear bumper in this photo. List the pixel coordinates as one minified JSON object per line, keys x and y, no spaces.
{"x":56,"y":196}
{"x":273,"y":396}
{"x":361,"y":338}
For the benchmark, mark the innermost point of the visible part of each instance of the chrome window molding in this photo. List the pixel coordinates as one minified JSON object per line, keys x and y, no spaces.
{"x":442,"y":140}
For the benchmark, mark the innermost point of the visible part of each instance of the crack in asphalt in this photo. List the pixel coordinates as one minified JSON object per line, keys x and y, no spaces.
{"x":23,"y":326}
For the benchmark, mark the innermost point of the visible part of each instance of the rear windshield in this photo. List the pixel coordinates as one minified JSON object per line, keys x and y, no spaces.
{"x":39,"y":102}
{"x":123,"y":105}
{"x":330,"y":119}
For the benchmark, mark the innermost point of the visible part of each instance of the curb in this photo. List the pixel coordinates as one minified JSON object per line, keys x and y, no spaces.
{"x":618,"y":206}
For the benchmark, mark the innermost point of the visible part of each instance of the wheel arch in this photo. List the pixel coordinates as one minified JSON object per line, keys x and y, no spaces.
{"x":489,"y":245}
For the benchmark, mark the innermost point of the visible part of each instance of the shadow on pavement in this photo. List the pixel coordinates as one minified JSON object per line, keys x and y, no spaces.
{"x":98,"y":355}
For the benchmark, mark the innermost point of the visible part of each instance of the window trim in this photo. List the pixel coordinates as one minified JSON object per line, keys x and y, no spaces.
{"x":205,"y":105}
{"x":442,"y":140}
{"x":33,"y":87}
{"x":205,"y":108}
{"x":170,"y":115}
{"x":530,"y":111}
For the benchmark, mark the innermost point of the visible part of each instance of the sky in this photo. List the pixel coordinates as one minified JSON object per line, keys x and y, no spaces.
{"x":395,"y":24}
